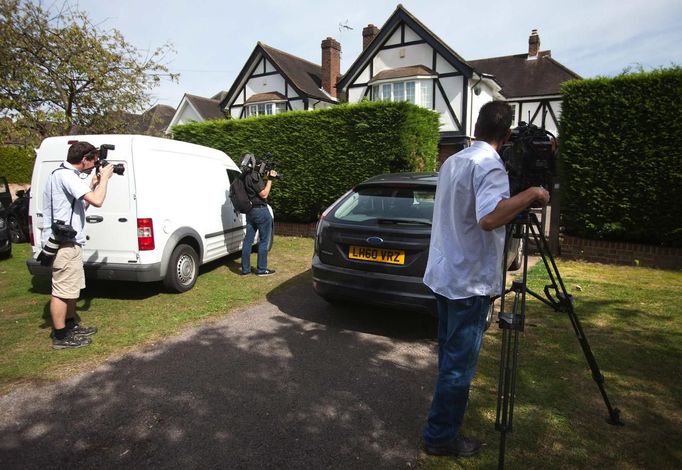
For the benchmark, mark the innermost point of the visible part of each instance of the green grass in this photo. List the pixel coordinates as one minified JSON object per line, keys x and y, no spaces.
{"x":632,"y":320}
{"x":126,"y":314}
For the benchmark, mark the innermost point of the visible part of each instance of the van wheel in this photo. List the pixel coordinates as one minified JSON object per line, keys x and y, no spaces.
{"x":15,"y":232}
{"x":182,"y":269}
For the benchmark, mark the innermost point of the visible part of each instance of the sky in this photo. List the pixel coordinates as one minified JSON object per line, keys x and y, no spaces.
{"x":214,"y":38}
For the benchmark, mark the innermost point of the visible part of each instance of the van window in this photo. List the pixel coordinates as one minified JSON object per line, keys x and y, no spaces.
{"x":232,"y":175}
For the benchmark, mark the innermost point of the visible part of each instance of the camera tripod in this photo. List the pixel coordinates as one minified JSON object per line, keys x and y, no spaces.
{"x":511,"y":323}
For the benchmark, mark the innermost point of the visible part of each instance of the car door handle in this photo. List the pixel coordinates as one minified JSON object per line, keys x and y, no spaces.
{"x":93,"y":219}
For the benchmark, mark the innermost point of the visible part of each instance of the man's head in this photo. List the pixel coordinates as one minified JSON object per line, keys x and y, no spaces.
{"x":494,"y":121}
{"x":82,"y":155}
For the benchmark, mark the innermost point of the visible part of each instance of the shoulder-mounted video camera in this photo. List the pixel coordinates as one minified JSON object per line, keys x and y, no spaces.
{"x":103,"y":150}
{"x":529,"y":158}
{"x":262,"y":167}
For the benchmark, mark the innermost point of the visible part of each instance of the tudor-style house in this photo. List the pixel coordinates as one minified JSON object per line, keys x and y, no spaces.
{"x":401,"y":61}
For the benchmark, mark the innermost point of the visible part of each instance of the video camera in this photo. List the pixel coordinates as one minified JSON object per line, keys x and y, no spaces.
{"x":529,"y":158}
{"x":263,"y":167}
{"x":119,"y":168}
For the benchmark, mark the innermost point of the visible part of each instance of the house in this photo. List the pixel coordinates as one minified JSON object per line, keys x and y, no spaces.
{"x":274,"y":81}
{"x":402,"y":60}
{"x":194,"y":108}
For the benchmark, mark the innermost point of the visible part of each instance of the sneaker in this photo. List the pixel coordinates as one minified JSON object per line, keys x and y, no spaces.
{"x":80,"y":330}
{"x":71,"y":342}
{"x":267,"y":272}
{"x":245,"y":273}
{"x":460,"y":447}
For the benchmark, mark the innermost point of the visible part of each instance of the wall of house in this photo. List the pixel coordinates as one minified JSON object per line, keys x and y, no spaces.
{"x":477,"y":102}
{"x":527,"y":108}
{"x":187,"y":115}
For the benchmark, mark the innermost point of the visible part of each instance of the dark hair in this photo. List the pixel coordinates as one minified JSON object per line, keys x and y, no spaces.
{"x":79,"y":150}
{"x":494,"y":121}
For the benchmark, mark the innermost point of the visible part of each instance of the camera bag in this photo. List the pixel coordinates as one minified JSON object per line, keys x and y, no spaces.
{"x":239,"y":197}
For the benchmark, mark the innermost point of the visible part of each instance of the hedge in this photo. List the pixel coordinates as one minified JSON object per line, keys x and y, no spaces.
{"x":322,"y":154}
{"x":16,"y":163}
{"x":621,"y":158}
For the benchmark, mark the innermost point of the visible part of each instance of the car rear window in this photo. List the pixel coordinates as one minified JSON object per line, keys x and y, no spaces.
{"x":388,"y":203}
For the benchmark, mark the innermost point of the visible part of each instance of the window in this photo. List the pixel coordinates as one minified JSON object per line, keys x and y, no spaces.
{"x":419,"y":92}
{"x":265,"y":109}
{"x":513,"y":107}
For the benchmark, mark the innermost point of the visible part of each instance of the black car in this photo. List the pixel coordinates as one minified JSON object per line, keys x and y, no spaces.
{"x":18,"y":217}
{"x":373,"y":243}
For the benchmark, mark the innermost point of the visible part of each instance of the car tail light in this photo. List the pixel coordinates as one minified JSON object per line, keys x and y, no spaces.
{"x":30,"y":231}
{"x":145,"y":234}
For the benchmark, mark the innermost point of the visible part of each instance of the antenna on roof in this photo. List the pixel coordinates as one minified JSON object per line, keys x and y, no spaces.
{"x":344,"y":26}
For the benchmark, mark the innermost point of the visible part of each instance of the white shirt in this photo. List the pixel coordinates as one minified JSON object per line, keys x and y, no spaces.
{"x":465,"y":260}
{"x":65,"y":185}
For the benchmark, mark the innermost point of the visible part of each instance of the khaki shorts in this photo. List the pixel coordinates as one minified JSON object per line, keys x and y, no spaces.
{"x":68,"y":277}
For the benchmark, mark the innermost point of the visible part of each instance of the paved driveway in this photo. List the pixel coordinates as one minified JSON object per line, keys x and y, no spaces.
{"x":293,"y":383}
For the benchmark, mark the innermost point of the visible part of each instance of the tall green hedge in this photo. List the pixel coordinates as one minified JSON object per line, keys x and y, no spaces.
{"x":324,"y":153}
{"x":621,"y":157}
{"x":16,"y":163}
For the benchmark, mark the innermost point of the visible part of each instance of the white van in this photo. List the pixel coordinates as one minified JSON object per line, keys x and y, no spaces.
{"x":165,"y":216}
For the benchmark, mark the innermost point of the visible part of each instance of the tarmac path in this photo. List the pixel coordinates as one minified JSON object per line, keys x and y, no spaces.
{"x":293,"y":383}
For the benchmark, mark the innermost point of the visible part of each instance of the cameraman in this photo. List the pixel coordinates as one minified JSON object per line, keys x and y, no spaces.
{"x":464,"y":269}
{"x":258,"y":219}
{"x":65,"y":198}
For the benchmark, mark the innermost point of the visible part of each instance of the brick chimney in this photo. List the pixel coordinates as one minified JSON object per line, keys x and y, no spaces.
{"x":331,"y":65}
{"x":368,"y":34}
{"x":533,"y":44}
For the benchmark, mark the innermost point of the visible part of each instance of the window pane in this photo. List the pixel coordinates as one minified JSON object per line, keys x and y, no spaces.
{"x":407,"y":204}
{"x":268,"y":108}
{"x":399,"y":91}
{"x":281,"y":108}
{"x":376,"y":93}
{"x":426,"y":93}
{"x":409,"y":92}
{"x":386,"y":92}
{"x":261,"y":109}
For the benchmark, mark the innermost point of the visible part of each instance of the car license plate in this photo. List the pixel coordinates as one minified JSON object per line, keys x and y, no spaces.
{"x":378,"y":255}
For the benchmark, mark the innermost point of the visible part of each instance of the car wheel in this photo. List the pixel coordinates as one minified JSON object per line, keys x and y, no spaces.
{"x":15,"y":232}
{"x":182,"y":269}
{"x":518,"y":260}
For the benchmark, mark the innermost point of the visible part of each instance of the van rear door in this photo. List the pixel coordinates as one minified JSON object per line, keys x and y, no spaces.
{"x":111,"y":230}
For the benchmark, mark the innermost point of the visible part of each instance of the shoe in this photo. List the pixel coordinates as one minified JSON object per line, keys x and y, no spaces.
{"x":80,"y":330}
{"x":460,"y":447}
{"x":267,"y":272}
{"x":71,"y":342}
{"x":245,"y":273}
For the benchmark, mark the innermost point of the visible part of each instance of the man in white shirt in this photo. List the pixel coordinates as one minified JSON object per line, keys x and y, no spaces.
{"x":464,"y":268}
{"x":65,"y":198}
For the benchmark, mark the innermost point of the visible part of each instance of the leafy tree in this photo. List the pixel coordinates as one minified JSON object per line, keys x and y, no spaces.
{"x":60,"y":73}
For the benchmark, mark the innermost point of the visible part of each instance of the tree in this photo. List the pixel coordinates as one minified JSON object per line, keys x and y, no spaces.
{"x":60,"y":73}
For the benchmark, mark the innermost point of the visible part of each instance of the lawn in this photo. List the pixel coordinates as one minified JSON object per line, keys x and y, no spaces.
{"x":127,"y":314}
{"x":631,"y":317}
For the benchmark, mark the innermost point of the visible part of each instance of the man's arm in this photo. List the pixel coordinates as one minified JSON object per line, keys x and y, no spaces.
{"x":268,"y":185}
{"x":99,"y":193}
{"x":507,"y":209}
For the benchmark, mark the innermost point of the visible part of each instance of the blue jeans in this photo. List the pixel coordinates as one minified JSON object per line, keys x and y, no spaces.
{"x":461,"y":324}
{"x":259,"y":219}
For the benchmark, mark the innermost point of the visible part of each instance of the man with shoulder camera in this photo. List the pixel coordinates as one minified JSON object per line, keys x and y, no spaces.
{"x":464,"y":268}
{"x":66,"y":196}
{"x":258,"y":219}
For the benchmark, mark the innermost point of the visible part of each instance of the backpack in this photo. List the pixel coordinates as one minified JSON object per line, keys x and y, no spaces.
{"x":240,"y":200}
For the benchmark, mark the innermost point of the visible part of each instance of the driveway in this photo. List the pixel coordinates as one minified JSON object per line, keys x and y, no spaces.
{"x":291,"y":383}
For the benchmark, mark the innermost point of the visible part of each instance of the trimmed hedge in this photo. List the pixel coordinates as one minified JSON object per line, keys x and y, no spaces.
{"x":621,"y":158}
{"x":16,"y":163}
{"x":322,"y":154}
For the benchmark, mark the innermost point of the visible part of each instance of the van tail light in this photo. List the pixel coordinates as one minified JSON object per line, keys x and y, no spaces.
{"x":30,"y":231}
{"x":145,"y":234}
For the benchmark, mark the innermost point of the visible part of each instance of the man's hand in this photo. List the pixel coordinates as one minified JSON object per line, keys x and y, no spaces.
{"x":272,"y":174}
{"x":542,"y":195}
{"x":106,"y":172}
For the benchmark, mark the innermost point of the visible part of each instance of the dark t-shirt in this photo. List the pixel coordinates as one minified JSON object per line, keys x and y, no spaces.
{"x":254,"y":184}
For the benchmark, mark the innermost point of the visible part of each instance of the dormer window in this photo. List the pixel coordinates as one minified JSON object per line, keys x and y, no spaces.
{"x":263,"y":104}
{"x":413,"y":84}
